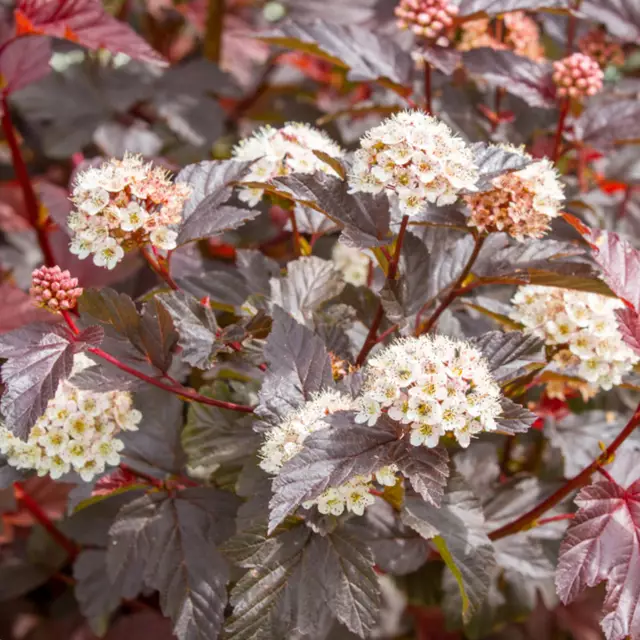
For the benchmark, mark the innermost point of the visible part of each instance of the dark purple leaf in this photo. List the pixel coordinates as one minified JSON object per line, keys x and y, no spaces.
{"x":158,"y":334}
{"x":257,"y":269}
{"x":197,"y":328}
{"x":367,"y":55}
{"x":85,"y":22}
{"x":365,"y":218}
{"x":211,"y":185}
{"x":493,"y":161}
{"x":309,"y":282}
{"x":39,"y":357}
{"x":603,"y":543}
{"x":168,"y":543}
{"x":24,"y":61}
{"x":458,"y":530}
{"x":606,"y":125}
{"x":514,"y":418}
{"x":518,"y":75}
{"x":295,"y":580}
{"x":510,"y":354}
{"x":621,"y":17}
{"x":443,"y":59}
{"x":494,"y":7}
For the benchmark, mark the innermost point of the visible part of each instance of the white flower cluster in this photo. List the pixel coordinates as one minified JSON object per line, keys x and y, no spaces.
{"x":286,"y":440}
{"x":522,"y":203}
{"x":122,"y":205}
{"x":583,"y":324}
{"x":77,"y":431}
{"x":435,"y":385}
{"x":352,"y":263}
{"x":415,"y":157}
{"x":281,"y":152}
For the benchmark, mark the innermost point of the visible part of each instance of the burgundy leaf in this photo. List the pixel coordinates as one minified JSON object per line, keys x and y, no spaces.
{"x":621,"y":17}
{"x":24,"y":61}
{"x":85,"y":22}
{"x":603,"y":543}
{"x":493,"y":7}
{"x":629,"y":327}
{"x":618,"y":259}
{"x":604,"y":126}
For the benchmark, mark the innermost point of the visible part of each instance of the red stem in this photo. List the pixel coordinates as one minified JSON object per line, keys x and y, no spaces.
{"x":571,"y":27}
{"x":25,"y":500}
{"x":564,"y":110}
{"x":179,"y":390}
{"x":295,"y":233}
{"x":455,"y":289}
{"x":622,"y":211}
{"x":371,"y":339}
{"x":159,"y":269}
{"x":22,"y":175}
{"x":427,"y":88}
{"x":528,"y":518}
{"x":558,"y":518}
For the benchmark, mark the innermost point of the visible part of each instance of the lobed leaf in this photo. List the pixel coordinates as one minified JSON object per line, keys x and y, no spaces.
{"x":24,"y":61}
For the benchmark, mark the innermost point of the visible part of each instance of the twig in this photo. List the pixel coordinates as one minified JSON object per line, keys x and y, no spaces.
{"x":176,"y":389}
{"x":525,"y":520}
{"x":295,"y":233}
{"x":214,"y":30}
{"x":371,"y":339}
{"x":22,"y":175}
{"x":455,"y":289}
{"x":558,"y":518}
{"x":622,"y":210}
{"x":43,"y":519}
{"x":564,"y":110}
{"x":427,"y":88}
{"x":159,"y":269}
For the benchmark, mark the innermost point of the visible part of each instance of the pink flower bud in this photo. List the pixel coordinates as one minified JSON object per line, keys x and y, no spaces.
{"x":577,"y":76}
{"x":428,"y":18}
{"x":54,"y":289}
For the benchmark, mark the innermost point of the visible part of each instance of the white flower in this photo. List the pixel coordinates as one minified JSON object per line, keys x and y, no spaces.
{"x":415,"y":158}
{"x":286,"y":440}
{"x":109,"y":254}
{"x":71,"y":434}
{"x":435,"y":385}
{"x":164,"y":238}
{"x":352,"y":263}
{"x":584,"y":324}
{"x":122,"y":205}
{"x":369,"y":412}
{"x":281,"y":152}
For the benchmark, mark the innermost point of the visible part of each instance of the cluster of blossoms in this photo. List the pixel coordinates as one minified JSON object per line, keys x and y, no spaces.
{"x":435,"y":385}
{"x":281,"y":152}
{"x":285,"y":441}
{"x":426,"y":18}
{"x":352,"y":263}
{"x":584,"y":328}
{"x":521,"y":203}
{"x":415,"y":157}
{"x":521,"y":35}
{"x":577,"y":76}
{"x":77,"y":431}
{"x":597,"y":45}
{"x":54,"y":289}
{"x":122,"y":205}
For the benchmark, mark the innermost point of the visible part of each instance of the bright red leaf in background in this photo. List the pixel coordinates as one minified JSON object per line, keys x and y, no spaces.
{"x":603,"y":543}
{"x":84,"y":22}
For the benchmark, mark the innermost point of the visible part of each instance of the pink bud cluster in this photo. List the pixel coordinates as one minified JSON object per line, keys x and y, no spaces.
{"x":604,"y":51}
{"x":54,"y":289}
{"x":577,"y":76}
{"x":426,"y":18}
{"x":522,"y":34}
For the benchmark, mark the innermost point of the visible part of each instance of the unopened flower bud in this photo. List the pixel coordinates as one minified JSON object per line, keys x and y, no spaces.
{"x":603,"y":50}
{"x":426,"y":18}
{"x":54,"y":289}
{"x":578,"y":76}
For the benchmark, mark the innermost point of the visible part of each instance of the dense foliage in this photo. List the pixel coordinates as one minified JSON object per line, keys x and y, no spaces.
{"x":320,"y":319}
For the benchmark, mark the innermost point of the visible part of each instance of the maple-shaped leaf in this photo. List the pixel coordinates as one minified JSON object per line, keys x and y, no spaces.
{"x":24,"y":61}
{"x":459,"y":532}
{"x":85,"y":22}
{"x":309,"y":282}
{"x":618,"y":259}
{"x":296,"y":581}
{"x":168,"y":543}
{"x":365,"y":217}
{"x":197,"y":328}
{"x":629,"y":327}
{"x":39,"y":357}
{"x":205,"y":212}
{"x":367,"y":55}
{"x":603,"y":543}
